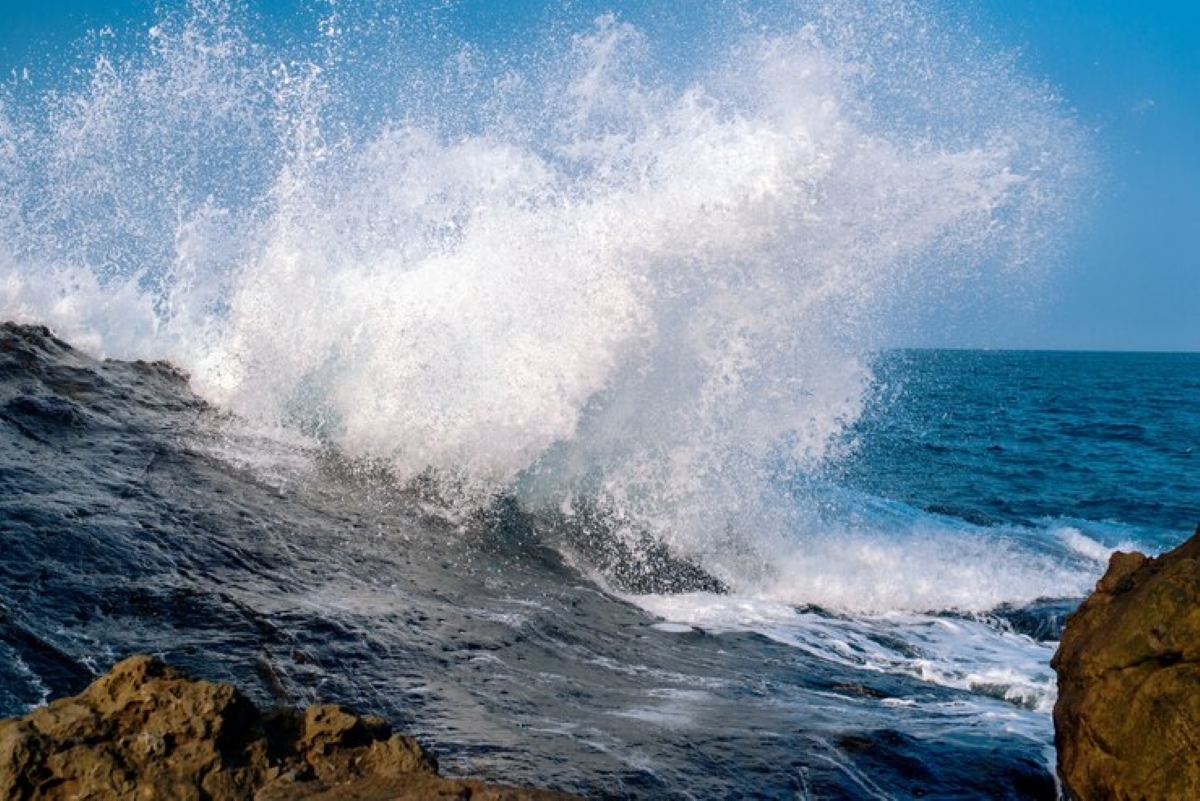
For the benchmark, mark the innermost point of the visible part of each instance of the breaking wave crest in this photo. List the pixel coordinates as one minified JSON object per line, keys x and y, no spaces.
{"x":601,"y":267}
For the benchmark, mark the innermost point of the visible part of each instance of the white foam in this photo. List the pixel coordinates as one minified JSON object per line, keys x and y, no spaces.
{"x":600,"y":277}
{"x":1080,"y":543}
{"x":98,"y":318}
{"x":921,"y":571}
{"x":960,"y":653}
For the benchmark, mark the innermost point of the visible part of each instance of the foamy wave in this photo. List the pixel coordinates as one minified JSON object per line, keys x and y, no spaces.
{"x":950,"y":652}
{"x":605,"y":278}
{"x":971,"y":572}
{"x":1093,"y":549}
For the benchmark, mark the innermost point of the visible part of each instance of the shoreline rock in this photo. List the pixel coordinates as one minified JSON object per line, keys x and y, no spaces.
{"x":1127,"y":719}
{"x":146,"y":730}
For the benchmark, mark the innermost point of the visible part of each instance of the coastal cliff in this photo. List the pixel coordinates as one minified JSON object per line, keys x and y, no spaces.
{"x":145,"y":730}
{"x":1127,"y":719}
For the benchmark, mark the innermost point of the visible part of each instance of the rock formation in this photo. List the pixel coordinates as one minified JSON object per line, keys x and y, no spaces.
{"x":1127,"y":720}
{"x":147,"y":731}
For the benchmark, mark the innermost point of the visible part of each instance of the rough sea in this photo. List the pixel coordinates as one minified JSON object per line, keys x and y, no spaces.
{"x":541,"y":396}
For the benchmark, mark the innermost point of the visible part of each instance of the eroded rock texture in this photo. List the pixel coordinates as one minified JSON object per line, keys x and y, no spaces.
{"x":1127,"y":720}
{"x":147,"y":731}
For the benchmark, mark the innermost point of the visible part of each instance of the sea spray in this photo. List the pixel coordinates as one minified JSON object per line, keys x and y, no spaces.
{"x":606,"y":274}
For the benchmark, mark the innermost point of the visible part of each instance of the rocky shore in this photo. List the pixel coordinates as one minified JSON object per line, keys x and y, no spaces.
{"x":147,"y":731}
{"x":1127,"y":719}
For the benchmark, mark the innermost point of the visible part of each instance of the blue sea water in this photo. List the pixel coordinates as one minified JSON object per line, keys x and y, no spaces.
{"x":1105,"y":442}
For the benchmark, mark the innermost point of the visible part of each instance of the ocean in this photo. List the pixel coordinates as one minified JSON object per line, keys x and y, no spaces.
{"x":542,"y":396}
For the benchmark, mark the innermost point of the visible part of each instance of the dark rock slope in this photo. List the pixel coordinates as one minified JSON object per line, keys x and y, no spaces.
{"x":1127,"y":720}
{"x":145,"y":730}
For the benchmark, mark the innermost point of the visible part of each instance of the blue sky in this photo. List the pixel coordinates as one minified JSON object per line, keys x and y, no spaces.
{"x":1132,"y":72}
{"x":1130,"y":276}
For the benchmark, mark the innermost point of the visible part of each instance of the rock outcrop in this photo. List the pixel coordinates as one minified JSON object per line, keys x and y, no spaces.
{"x":1127,"y":720}
{"x":146,"y":731}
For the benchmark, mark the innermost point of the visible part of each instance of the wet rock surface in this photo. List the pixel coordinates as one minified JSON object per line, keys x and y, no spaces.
{"x":1127,"y":720}
{"x":145,"y":730}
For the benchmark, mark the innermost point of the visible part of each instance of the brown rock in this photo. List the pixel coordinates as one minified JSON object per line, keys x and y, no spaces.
{"x":1127,"y":720}
{"x":146,"y":731}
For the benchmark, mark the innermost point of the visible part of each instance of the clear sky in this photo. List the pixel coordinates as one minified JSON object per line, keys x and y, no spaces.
{"x":1130,"y":277}
{"x":1131,"y":69}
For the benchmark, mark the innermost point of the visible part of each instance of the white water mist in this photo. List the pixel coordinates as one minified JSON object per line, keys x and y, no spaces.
{"x":607,"y":282}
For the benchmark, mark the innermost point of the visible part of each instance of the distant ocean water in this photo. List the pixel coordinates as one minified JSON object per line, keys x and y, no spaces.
{"x":1104,"y":440}
{"x":540,"y":397}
